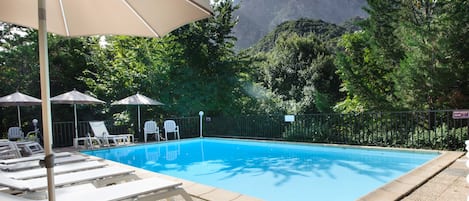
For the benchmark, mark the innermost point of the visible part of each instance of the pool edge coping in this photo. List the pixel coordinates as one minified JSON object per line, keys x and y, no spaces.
{"x":407,"y":183}
{"x":393,"y":190}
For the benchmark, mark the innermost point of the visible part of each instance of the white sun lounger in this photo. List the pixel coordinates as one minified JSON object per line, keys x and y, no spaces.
{"x":29,"y":148}
{"x":100,"y":131}
{"x":60,"y":169}
{"x":35,"y":164}
{"x":9,"y":150}
{"x":32,"y":158}
{"x":145,"y":189}
{"x":162,"y":188}
{"x":63,"y":179}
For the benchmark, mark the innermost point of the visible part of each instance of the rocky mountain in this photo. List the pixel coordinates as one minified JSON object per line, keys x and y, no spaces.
{"x":259,"y":17}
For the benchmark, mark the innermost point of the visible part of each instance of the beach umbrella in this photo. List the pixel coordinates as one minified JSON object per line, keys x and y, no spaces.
{"x":18,"y":99}
{"x":148,"y":18}
{"x":137,"y":99}
{"x":75,"y":97}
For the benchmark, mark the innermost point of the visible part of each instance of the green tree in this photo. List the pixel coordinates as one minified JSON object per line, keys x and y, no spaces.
{"x":364,"y":75}
{"x":20,"y":64}
{"x":193,"y":68}
{"x":369,"y":58}
{"x":19,"y":70}
{"x":300,"y":71}
{"x":209,"y":74}
{"x":408,"y":57}
{"x":431,"y":76}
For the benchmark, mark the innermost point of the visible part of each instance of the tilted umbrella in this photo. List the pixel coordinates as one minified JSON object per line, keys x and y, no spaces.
{"x":75,"y":97}
{"x":149,"y":18}
{"x":18,"y":99}
{"x":137,"y":99}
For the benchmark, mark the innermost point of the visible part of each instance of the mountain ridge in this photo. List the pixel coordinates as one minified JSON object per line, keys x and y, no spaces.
{"x":258,"y":17}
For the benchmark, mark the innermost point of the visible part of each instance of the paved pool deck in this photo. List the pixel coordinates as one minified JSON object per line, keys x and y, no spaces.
{"x":442,"y":179}
{"x":449,"y":184}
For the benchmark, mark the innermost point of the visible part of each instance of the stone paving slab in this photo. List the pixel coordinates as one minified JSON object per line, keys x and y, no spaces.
{"x":449,"y":185}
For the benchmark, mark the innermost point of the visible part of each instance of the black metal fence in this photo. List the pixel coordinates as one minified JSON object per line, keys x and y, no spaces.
{"x":413,"y":129}
{"x":63,"y":132}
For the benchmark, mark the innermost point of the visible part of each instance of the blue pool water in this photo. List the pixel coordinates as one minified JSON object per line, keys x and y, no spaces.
{"x":272,"y":171}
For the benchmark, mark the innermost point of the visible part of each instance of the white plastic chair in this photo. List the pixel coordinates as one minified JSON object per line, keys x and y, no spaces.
{"x":149,"y":128}
{"x":171,"y":127}
{"x":15,"y":133}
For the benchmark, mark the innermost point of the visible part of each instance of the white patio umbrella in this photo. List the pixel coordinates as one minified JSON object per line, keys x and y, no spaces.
{"x":19,"y":99}
{"x":137,"y":99}
{"x":75,"y":97}
{"x":149,"y":18}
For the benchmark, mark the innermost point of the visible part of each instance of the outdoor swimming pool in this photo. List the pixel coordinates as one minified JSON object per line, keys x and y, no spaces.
{"x":272,"y":171}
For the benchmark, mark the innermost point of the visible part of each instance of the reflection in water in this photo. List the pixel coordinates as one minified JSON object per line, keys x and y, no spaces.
{"x":172,"y":151}
{"x":153,"y":154}
{"x":272,"y":171}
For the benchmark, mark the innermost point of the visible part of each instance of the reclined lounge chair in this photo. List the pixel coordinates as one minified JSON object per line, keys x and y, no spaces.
{"x":100,"y":131}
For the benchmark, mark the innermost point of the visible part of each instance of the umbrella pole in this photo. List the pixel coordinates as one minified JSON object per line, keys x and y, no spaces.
{"x":45,"y":96}
{"x":138,"y":106}
{"x":76,"y":121}
{"x":19,"y":116}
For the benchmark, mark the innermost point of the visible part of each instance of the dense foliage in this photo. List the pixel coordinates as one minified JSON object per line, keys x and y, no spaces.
{"x":407,"y":55}
{"x":302,"y":27}
{"x":299,"y":73}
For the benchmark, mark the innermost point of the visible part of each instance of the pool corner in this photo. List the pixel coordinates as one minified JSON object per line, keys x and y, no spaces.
{"x":407,"y":183}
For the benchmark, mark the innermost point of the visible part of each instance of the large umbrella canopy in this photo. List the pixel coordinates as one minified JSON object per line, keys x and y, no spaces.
{"x":137,"y":99}
{"x":19,"y":99}
{"x":152,"y":18}
{"x":91,"y":17}
{"x":75,"y":97}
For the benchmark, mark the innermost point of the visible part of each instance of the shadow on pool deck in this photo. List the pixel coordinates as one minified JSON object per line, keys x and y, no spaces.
{"x":441,"y":179}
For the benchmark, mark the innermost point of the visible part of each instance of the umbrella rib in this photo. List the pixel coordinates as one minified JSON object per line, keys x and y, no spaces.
{"x":64,"y":18}
{"x":202,"y":8}
{"x":141,"y":19}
